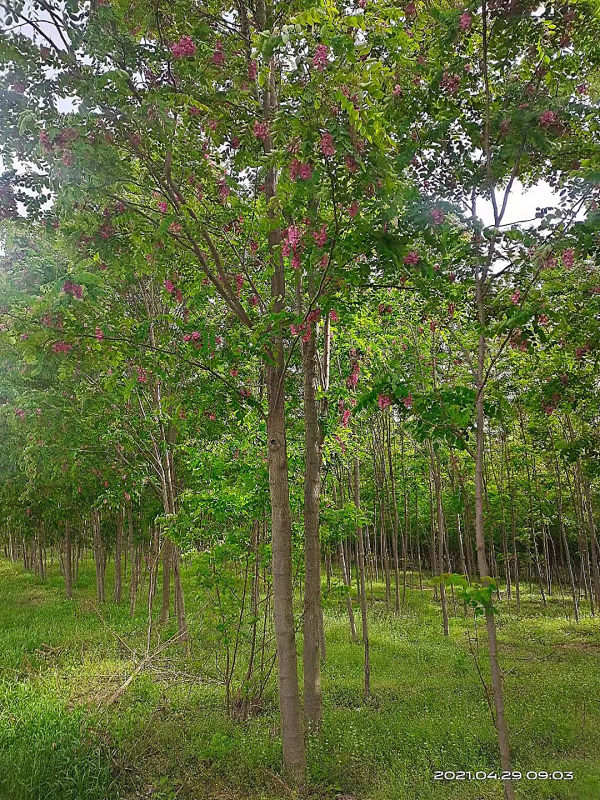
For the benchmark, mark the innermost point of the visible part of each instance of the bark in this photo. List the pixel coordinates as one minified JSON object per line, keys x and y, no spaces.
{"x":311,"y":654}
{"x":166,"y":581}
{"x":68,"y":565}
{"x":496,"y":675}
{"x":118,"y":559}
{"x":363,"y":590}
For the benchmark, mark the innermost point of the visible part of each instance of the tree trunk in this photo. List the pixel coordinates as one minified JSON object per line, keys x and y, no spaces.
{"x":68,"y":565}
{"x":363,"y":590}
{"x":311,"y":653}
{"x":496,"y":675}
{"x":118,"y":558}
{"x":166,"y":581}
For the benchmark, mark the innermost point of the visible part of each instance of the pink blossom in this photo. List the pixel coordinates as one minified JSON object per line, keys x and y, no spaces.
{"x":412,"y":258}
{"x":548,"y":118}
{"x":295,"y":261}
{"x":320,"y":59}
{"x":224,"y":190}
{"x":218,"y":56}
{"x":410,"y":10}
{"x":353,"y":210}
{"x":20,"y":413}
{"x":61,"y":347}
{"x":260,"y":129}
{"x":184,"y":47}
{"x":99,"y":334}
{"x":24,"y":337}
{"x":235,"y":142}
{"x":408,"y":401}
{"x":142,"y":375}
{"x":543,"y":319}
{"x":300,"y":170}
{"x":293,"y":236}
{"x":438,"y":216}
{"x":327,"y":145}
{"x":449,"y":83}
{"x":320,"y":236}
{"x":384,"y":401}
{"x":568,"y":258}
{"x":175,"y":228}
{"x":333,"y":316}
{"x":252,"y":70}
{"x":162,"y":207}
{"x":351,"y":165}
{"x":515,"y":297}
{"x":397,"y":90}
{"x":465,"y":21}
{"x":255,"y":300}
{"x":169,"y":285}
{"x":346,"y":417}
{"x":239,"y":283}
{"x":74,"y":289}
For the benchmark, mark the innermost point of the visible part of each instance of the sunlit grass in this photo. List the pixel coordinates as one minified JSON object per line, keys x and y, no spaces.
{"x":59,"y":662}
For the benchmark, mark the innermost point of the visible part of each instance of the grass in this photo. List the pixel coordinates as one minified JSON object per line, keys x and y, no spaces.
{"x":170,"y":739}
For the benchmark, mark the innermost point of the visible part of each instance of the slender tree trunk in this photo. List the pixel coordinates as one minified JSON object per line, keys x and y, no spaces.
{"x":311,"y":653}
{"x":68,"y":565}
{"x":118,"y":558}
{"x":363,"y":590}
{"x":166,"y":581}
{"x":496,"y":675}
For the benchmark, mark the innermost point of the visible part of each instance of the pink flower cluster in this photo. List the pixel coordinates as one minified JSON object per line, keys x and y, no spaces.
{"x":320,"y":59}
{"x":412,"y":258}
{"x":292,"y":245}
{"x":300,"y":170}
{"x":352,"y":379}
{"x":438,"y":216}
{"x":320,"y":236}
{"x":548,"y":118}
{"x":449,"y":83}
{"x":173,"y":290}
{"x":252,"y":70}
{"x":74,"y":289}
{"x":260,"y":130}
{"x":327,"y":145}
{"x":384,"y":401}
{"x":61,"y":347}
{"x":183,"y":48}
{"x":465,"y":21}
{"x":218,"y":56}
{"x":568,"y":258}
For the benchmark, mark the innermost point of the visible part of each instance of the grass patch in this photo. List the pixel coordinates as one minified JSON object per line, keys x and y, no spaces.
{"x":170,"y":739}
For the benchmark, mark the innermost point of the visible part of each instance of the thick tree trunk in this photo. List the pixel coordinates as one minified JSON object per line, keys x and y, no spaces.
{"x":311,"y":654}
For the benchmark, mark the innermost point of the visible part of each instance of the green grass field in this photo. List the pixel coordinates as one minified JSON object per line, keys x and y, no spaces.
{"x":168,"y":737}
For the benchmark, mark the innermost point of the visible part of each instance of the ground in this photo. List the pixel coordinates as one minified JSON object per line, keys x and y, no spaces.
{"x":168,"y":738}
